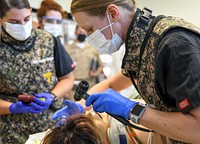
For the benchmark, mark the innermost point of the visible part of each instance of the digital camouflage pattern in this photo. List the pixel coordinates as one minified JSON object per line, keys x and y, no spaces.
{"x":26,"y":69}
{"x":146,"y":73}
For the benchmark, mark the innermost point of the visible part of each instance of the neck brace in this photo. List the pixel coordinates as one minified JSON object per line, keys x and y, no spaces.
{"x":117,"y":132}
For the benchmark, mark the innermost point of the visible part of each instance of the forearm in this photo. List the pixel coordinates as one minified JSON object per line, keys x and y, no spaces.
{"x":99,"y":87}
{"x":4,"y":107}
{"x":118,"y":82}
{"x":63,"y":86}
{"x":172,"y":124}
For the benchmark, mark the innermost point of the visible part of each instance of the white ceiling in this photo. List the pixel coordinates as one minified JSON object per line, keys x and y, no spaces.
{"x":187,"y":9}
{"x":64,"y":3}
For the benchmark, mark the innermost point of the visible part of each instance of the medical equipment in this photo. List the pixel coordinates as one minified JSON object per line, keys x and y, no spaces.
{"x":81,"y":92}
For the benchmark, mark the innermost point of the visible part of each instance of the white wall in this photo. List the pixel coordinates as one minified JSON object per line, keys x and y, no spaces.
{"x":64,"y":3}
{"x":187,"y":9}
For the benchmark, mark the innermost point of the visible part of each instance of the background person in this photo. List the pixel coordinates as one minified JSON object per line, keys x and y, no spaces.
{"x":87,"y":60}
{"x":32,"y":62}
{"x":50,"y":17}
{"x":166,"y":68}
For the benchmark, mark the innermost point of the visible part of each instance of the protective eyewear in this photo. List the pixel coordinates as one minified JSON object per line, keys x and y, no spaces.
{"x":52,"y":20}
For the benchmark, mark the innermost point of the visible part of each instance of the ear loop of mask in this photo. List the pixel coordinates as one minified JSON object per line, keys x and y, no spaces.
{"x":110,"y":25}
{"x":111,"y":28}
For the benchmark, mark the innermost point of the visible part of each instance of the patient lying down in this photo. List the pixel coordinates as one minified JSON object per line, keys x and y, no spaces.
{"x":94,"y":128}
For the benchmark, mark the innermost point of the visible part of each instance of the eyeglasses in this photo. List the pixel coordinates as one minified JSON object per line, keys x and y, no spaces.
{"x":52,"y":20}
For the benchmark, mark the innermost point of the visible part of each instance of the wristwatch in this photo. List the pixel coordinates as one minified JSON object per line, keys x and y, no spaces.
{"x":54,"y":97}
{"x":57,"y":103}
{"x":136,"y":112}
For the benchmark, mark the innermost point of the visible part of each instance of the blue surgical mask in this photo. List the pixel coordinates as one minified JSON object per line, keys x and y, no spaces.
{"x":104,"y":46}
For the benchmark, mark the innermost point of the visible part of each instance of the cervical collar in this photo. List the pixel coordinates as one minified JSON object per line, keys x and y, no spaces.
{"x":117,"y":132}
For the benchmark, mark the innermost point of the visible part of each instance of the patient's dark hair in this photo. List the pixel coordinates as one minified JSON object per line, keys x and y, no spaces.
{"x":79,"y":129}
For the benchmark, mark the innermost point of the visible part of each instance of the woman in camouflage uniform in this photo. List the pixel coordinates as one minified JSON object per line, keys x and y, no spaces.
{"x":162,"y":55}
{"x":32,"y":62}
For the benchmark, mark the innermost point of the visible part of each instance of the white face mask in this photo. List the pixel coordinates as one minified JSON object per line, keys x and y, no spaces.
{"x":54,"y":29}
{"x":18,"y":31}
{"x":104,"y":46}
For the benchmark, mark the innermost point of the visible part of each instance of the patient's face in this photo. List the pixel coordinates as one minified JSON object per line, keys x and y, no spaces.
{"x":102,"y":124}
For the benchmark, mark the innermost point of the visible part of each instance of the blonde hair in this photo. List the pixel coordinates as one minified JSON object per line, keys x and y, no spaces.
{"x":98,"y":7}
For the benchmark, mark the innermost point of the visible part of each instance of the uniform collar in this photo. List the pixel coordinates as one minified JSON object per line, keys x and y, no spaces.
{"x":134,"y":40}
{"x":18,"y":45}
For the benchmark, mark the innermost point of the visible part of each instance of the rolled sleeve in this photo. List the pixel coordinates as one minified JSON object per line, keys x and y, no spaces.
{"x":63,"y":62}
{"x":183,"y":76}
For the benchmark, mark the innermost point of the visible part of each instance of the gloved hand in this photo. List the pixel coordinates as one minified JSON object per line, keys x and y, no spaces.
{"x":70,"y":109}
{"x":62,"y":121}
{"x":46,"y":103}
{"x":112,"y":102}
{"x":20,"y":108}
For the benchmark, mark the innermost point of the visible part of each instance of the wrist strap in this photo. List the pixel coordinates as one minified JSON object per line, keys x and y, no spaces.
{"x":136,"y":112}
{"x":54,"y":96}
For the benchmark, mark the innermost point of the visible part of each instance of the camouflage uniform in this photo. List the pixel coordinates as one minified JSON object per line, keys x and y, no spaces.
{"x":82,"y":58}
{"x":26,"y":68}
{"x":144,"y":69}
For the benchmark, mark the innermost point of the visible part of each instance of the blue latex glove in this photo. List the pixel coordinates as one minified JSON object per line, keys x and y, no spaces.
{"x":112,"y":102}
{"x":20,"y":108}
{"x":46,"y":103}
{"x":70,"y":109}
{"x":62,"y":121}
